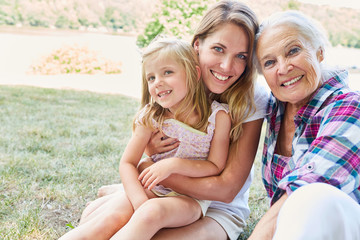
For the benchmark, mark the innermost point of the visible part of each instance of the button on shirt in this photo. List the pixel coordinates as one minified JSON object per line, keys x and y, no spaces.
{"x":325,"y":147}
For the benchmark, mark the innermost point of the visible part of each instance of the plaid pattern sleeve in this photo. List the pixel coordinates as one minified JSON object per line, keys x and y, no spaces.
{"x":325,"y":145}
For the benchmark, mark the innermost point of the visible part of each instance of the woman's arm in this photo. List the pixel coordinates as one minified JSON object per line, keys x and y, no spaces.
{"x":215,"y":163}
{"x":265,"y":228}
{"x":226,"y":186}
{"x":128,"y":166}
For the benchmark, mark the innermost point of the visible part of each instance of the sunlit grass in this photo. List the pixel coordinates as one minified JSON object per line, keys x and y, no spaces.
{"x":57,"y":147}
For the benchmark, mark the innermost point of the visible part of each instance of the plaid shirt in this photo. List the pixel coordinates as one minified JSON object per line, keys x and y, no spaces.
{"x":325,"y":147}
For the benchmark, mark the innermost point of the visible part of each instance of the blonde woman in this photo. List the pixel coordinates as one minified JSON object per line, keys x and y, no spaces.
{"x":224,"y":42}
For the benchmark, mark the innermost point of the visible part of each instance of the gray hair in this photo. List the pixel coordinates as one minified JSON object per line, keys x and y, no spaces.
{"x":308,"y":28}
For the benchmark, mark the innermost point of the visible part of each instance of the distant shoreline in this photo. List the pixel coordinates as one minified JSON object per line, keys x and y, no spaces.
{"x":51,"y":31}
{"x":21,"y":48}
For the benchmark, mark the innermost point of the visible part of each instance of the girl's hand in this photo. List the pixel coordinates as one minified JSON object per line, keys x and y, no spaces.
{"x":153,"y":175}
{"x":160,"y":143}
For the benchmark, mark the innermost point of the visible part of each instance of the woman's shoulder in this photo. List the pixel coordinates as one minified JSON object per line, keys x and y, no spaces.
{"x":261,"y":93}
{"x":261,"y":100}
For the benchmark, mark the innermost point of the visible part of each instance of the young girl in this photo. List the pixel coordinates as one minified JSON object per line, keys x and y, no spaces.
{"x":174,"y":100}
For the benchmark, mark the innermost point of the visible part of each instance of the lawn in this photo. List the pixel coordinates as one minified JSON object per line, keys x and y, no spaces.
{"x":57,"y":147}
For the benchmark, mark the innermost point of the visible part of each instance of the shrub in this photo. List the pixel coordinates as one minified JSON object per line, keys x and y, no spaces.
{"x":75,"y":59}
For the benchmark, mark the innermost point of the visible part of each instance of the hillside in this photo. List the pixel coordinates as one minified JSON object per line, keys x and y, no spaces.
{"x":117,"y":15}
{"x":341,"y":24}
{"x":123,"y":16}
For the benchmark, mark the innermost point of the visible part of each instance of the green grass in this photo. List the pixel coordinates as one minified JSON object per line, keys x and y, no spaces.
{"x":57,"y":147}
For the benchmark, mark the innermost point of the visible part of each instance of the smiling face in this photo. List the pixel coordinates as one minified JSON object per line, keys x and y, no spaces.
{"x":166,"y":80}
{"x":289,"y":63}
{"x":222,"y":56}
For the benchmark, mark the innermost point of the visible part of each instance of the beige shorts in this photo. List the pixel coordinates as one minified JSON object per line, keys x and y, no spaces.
{"x":204,"y":204}
{"x":232,"y":224}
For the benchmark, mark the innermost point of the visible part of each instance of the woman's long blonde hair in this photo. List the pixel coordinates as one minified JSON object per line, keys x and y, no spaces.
{"x":240,"y":96}
{"x":195,"y":100}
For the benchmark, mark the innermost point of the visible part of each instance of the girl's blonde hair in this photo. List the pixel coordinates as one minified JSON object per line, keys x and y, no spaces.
{"x":195,"y":100}
{"x":239,"y":96}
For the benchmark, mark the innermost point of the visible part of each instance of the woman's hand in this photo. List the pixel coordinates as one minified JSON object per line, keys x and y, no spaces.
{"x":160,"y":143}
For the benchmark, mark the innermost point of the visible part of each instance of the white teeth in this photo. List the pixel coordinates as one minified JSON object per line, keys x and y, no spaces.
{"x":292,"y":81}
{"x":220,"y":77}
{"x":164,"y":93}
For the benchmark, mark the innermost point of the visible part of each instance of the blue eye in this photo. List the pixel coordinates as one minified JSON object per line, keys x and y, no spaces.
{"x":151,"y":78}
{"x":294,"y":50}
{"x":242,"y":56}
{"x":218,"y":49}
{"x":168,"y":72}
{"x":268,"y":63}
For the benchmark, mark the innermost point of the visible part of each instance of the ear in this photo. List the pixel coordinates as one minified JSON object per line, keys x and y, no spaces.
{"x":199,"y":72}
{"x":320,"y":54}
{"x":196,"y":45}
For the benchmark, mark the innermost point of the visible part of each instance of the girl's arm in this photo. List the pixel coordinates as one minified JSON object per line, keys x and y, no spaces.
{"x":128,"y":166}
{"x":213,"y":166}
{"x":225,"y":186}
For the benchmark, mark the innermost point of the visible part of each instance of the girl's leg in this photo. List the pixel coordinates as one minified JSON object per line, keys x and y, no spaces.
{"x":89,"y":210}
{"x":110,"y":217}
{"x":158,"y":213}
{"x":205,"y":228}
{"x":109,"y":189}
{"x":318,"y":211}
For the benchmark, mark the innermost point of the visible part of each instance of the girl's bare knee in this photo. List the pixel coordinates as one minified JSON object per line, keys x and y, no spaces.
{"x":150,"y":212}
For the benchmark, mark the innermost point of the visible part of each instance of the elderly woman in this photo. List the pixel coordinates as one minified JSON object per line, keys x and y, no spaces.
{"x":311,"y":156}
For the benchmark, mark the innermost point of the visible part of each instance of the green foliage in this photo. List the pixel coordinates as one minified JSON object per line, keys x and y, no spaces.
{"x":112,"y":19}
{"x":293,"y":5}
{"x":351,"y":40}
{"x":70,"y":225}
{"x":174,"y":18}
{"x":62,"y":22}
{"x":151,"y":31}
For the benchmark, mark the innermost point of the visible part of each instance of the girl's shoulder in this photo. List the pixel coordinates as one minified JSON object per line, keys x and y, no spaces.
{"x":142,"y":112}
{"x":143,"y":116}
{"x":215,"y":108}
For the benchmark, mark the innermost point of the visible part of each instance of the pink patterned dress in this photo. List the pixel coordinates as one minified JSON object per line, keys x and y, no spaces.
{"x":194,"y":144}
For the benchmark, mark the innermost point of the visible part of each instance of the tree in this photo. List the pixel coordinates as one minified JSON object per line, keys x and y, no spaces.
{"x":174,"y":18}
